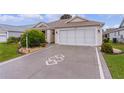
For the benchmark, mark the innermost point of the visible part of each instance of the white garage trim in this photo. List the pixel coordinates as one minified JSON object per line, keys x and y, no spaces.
{"x":77,"y":36}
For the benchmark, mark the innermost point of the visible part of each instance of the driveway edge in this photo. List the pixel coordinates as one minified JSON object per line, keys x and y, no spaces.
{"x":11,"y":60}
{"x":106,"y":71}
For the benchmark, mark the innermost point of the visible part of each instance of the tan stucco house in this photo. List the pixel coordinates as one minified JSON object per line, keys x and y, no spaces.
{"x":72,"y":31}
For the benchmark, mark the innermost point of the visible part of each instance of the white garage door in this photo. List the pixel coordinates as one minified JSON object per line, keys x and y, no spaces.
{"x":77,"y":37}
{"x":3,"y":38}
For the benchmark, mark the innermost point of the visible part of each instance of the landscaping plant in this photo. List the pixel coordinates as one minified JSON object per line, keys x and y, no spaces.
{"x":106,"y":40}
{"x":107,"y":48}
{"x":35,"y":38}
{"x":13,"y":40}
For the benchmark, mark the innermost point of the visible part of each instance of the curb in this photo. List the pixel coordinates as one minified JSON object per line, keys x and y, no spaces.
{"x":106,"y":71}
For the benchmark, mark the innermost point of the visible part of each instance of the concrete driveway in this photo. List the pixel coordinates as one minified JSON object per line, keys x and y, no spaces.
{"x":55,"y":62}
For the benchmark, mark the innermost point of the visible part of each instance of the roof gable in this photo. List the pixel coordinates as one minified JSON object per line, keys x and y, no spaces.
{"x":122,"y":23}
{"x":76,"y":19}
{"x":41,"y":24}
{"x":67,"y":23}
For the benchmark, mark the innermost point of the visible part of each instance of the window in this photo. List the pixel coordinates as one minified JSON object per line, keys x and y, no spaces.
{"x":114,"y":33}
{"x":119,"y":33}
{"x":122,"y":37}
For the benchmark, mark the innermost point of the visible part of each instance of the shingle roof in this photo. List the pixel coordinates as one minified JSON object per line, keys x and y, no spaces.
{"x":110,"y":30}
{"x":122,"y":24}
{"x":63,"y":23}
{"x":5,"y":28}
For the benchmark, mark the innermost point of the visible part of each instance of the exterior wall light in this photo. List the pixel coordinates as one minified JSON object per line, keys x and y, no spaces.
{"x":98,"y":31}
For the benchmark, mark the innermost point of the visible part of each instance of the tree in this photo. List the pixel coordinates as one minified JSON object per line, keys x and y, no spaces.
{"x":35,"y":38}
{"x":66,"y":16}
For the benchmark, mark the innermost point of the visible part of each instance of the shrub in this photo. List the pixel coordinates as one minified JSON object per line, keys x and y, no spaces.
{"x":107,"y":48}
{"x":13,"y":40}
{"x":35,"y":38}
{"x":106,"y":40}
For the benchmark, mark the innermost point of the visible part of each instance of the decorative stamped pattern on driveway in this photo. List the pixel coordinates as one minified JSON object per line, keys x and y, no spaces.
{"x":55,"y":59}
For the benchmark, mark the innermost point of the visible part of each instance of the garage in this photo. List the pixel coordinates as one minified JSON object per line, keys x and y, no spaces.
{"x":73,"y":31}
{"x":3,"y":37}
{"x":77,"y":37}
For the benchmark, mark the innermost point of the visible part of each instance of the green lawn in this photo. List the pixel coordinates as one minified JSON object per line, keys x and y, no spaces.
{"x":118,"y":46}
{"x":116,"y":62}
{"x":8,"y":51}
{"x":116,"y":65}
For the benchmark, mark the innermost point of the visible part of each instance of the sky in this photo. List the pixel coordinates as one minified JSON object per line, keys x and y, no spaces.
{"x":110,"y":20}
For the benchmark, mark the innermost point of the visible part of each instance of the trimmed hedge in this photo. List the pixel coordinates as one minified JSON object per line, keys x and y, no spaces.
{"x":35,"y":38}
{"x":107,"y":48}
{"x":13,"y":39}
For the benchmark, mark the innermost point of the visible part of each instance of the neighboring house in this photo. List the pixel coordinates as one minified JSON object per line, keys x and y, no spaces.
{"x":7,"y":31}
{"x":117,"y":33}
{"x":106,"y":33}
{"x":72,"y":31}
